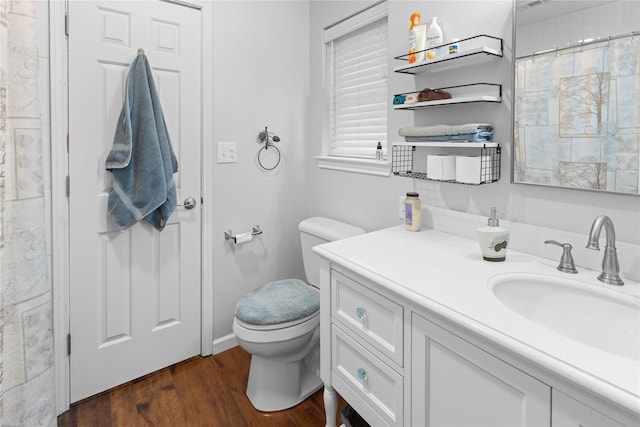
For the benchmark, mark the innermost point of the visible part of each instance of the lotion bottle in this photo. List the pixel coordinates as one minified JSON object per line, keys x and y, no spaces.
{"x":434,"y":38}
{"x":417,"y":39}
{"x":493,"y":239}
{"x":412,"y":212}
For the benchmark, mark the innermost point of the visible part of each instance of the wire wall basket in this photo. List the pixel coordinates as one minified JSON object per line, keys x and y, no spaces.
{"x":402,"y":164}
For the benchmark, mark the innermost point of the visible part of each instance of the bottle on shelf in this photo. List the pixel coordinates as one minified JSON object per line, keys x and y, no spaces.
{"x":417,"y":39}
{"x":454,"y":47}
{"x":434,"y":38}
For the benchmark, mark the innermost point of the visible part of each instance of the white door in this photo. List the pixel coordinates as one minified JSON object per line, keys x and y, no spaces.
{"x":134,"y":295}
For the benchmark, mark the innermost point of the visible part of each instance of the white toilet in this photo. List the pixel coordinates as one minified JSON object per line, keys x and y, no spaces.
{"x":278,"y":324}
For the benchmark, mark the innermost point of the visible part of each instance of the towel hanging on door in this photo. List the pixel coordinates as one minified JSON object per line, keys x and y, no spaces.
{"x":142,"y":159}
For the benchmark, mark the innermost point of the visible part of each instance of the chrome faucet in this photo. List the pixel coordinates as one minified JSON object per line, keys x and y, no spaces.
{"x":567,"y":265}
{"x":610,"y":267}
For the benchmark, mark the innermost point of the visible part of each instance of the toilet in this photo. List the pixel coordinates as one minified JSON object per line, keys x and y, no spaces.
{"x":278,"y":324}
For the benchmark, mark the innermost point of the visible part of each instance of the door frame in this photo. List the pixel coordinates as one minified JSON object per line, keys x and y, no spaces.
{"x":58,"y":77}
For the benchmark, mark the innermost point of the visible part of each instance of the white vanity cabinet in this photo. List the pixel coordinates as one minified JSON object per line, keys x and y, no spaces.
{"x":367,"y":350}
{"x":454,"y":383}
{"x":568,"y":412}
{"x":394,"y":348}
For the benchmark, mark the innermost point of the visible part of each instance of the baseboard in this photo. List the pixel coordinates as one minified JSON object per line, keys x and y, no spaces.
{"x":224,"y":343}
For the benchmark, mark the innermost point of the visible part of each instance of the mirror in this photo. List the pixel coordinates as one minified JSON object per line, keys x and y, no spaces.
{"x":577,"y":94}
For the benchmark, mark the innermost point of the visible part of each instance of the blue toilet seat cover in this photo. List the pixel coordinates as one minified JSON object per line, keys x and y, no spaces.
{"x":278,"y":302}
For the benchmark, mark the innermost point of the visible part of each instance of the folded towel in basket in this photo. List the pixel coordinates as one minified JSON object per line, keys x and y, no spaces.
{"x":141,"y":159}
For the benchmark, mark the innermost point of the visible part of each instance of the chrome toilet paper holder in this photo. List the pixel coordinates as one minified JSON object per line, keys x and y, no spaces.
{"x":228,"y":234}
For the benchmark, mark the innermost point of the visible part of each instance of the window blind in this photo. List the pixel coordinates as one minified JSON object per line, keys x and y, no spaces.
{"x":357,"y":85}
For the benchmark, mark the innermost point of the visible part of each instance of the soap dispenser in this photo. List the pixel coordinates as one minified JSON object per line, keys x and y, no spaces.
{"x":493,"y":239}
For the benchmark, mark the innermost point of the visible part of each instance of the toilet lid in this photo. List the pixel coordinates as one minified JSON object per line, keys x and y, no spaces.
{"x":278,"y":302}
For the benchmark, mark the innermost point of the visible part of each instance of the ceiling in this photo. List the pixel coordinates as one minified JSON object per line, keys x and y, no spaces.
{"x":529,"y":11}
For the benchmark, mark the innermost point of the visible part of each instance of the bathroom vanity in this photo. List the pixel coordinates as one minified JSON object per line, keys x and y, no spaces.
{"x":418,"y":330}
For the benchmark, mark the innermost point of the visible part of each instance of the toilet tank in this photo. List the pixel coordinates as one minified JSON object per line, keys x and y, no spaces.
{"x":315,"y":231}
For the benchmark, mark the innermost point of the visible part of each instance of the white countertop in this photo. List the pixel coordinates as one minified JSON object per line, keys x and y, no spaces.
{"x":446,"y":274}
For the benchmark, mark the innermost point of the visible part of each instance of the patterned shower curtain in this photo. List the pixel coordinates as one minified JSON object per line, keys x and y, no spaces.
{"x":27,"y":396}
{"x":577,"y":117}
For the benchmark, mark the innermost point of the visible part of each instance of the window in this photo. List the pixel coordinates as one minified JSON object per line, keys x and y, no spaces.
{"x":356,"y":81}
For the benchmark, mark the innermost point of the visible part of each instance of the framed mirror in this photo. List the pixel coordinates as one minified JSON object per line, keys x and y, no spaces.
{"x":577,"y":94}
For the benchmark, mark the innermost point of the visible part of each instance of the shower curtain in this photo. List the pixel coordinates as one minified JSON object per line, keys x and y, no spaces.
{"x":27,"y":396}
{"x":577,"y":116}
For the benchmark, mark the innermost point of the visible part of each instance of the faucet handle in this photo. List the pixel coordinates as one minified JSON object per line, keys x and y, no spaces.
{"x":566,"y":260}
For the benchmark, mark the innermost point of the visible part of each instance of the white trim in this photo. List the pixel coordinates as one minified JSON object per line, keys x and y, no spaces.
{"x":59,"y":201}
{"x":191,"y":4}
{"x":207,"y":152}
{"x":356,"y":21}
{"x":224,"y":343}
{"x":352,"y":164}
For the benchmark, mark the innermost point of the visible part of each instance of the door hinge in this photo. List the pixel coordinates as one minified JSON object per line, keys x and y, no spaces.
{"x":66,"y":24}
{"x":68,"y":344}
{"x":68,"y":186}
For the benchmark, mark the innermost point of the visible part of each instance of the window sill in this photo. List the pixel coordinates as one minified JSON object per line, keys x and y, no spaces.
{"x":350,"y":164}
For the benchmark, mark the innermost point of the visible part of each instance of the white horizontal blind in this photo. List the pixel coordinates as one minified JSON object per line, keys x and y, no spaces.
{"x":357,"y":84}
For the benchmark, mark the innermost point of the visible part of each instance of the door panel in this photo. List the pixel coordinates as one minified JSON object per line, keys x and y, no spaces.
{"x":134,"y":294}
{"x":458,"y":384}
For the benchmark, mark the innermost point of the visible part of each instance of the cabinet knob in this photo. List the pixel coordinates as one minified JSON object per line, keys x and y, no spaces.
{"x":361,"y":313}
{"x":362,"y":374}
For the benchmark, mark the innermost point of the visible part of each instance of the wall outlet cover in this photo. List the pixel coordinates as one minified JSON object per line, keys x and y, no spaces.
{"x":227,"y":152}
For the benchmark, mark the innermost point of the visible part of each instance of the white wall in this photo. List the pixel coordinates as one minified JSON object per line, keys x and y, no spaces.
{"x":372,"y":202}
{"x":260,"y":78}
{"x":267,"y":72}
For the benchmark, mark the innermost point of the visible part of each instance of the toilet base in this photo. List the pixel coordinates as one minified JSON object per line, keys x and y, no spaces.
{"x":275,"y":384}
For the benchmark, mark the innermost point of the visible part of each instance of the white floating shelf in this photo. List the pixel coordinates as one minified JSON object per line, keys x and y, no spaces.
{"x":442,"y":62}
{"x":455,"y":100}
{"x":448,"y":144}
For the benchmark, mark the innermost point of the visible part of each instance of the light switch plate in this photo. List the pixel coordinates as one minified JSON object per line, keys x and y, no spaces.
{"x":227,"y":152}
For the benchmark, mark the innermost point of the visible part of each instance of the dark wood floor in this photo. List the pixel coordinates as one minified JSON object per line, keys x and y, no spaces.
{"x":202,"y":391}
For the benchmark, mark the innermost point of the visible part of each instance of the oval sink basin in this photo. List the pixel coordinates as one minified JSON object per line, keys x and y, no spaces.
{"x":574,"y":309}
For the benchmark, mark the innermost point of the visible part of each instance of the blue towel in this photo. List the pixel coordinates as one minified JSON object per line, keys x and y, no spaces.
{"x":470,"y":137}
{"x":141,"y":159}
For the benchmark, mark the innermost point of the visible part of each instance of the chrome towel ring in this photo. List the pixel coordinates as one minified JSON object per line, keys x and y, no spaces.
{"x":268,"y":139}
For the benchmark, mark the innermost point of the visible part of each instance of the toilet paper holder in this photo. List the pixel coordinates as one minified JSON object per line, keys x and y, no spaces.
{"x":228,"y":234}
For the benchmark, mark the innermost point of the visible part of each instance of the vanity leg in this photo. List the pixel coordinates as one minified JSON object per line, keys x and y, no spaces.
{"x":330,"y":406}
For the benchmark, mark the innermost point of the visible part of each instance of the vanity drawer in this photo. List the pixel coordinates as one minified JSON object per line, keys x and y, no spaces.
{"x":372,"y":381}
{"x":374,"y":318}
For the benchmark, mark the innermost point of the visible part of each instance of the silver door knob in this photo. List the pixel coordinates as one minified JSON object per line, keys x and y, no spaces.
{"x":189,"y":203}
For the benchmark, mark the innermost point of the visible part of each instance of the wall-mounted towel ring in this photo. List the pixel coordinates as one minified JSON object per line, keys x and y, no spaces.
{"x":269,"y":149}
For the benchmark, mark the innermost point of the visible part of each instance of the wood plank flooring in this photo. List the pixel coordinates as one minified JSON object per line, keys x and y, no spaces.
{"x":202,"y":391}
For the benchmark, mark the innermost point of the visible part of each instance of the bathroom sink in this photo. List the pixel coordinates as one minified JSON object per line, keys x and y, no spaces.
{"x":574,"y":309}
